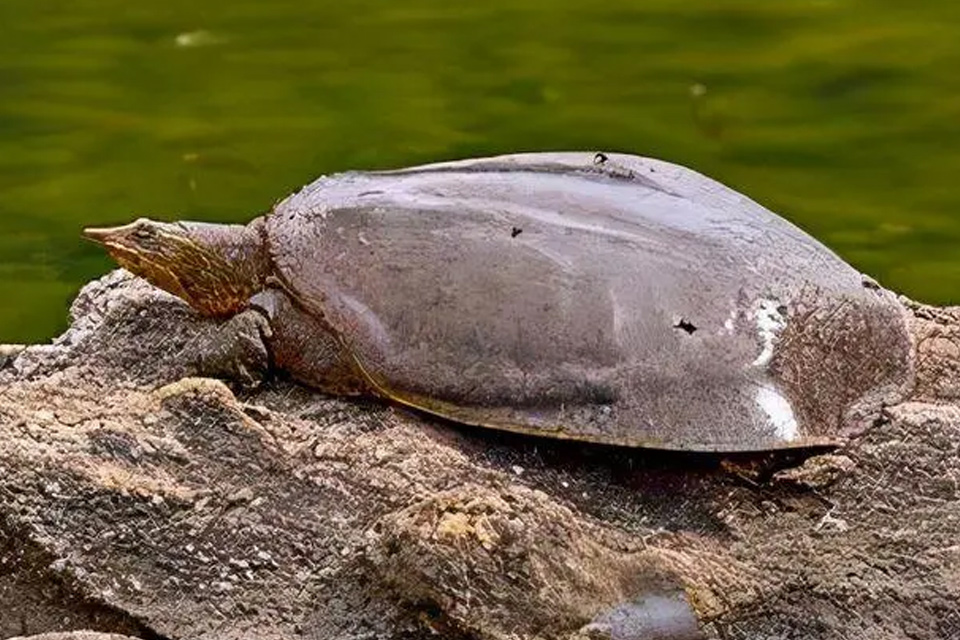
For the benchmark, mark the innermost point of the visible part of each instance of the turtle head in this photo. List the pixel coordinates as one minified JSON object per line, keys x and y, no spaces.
{"x":215,"y":268}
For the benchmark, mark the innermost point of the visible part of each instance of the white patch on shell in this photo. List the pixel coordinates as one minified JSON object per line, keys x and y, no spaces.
{"x":779,"y":412}
{"x":318,"y":212}
{"x":769,"y":323}
{"x":730,"y":323}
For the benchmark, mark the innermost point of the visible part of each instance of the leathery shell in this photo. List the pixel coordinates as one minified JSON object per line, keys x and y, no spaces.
{"x":612,"y":299}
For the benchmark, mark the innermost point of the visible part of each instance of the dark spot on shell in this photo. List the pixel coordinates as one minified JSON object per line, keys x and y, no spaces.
{"x":684,"y":325}
{"x":370,"y":193}
{"x":600,"y":158}
{"x":782,"y":309}
{"x":870,"y":283}
{"x":514,"y":232}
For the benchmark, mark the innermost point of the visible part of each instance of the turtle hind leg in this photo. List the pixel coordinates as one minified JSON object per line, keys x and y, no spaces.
{"x":304,"y":346}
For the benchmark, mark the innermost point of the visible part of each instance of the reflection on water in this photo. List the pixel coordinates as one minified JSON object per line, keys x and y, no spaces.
{"x":842,"y":116}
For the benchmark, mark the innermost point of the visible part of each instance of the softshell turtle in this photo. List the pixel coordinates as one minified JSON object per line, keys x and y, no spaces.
{"x":608,"y":298}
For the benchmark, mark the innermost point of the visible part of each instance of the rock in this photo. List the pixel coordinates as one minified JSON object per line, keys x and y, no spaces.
{"x":139,"y":497}
{"x":9,"y":352}
{"x":650,"y":618}
{"x":818,"y":472}
{"x":498,"y":558}
{"x":75,"y":635}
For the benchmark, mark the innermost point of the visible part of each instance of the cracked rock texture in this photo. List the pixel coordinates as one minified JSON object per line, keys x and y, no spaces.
{"x":138,"y":498}
{"x":75,"y":635}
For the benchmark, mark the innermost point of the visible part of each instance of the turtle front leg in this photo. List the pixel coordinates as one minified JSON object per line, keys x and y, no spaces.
{"x":238,"y":351}
{"x":302,"y":344}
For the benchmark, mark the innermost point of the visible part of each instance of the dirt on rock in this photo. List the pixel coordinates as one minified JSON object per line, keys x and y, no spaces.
{"x":139,"y":497}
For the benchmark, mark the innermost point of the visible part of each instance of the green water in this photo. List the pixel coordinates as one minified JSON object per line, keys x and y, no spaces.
{"x":844,"y":116}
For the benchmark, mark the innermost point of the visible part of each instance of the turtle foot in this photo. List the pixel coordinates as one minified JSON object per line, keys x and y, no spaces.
{"x":238,"y":352}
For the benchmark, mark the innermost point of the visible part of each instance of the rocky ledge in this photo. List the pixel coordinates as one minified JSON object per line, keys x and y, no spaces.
{"x":139,"y":498}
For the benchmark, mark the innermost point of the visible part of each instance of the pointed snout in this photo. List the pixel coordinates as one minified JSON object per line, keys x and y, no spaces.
{"x":100,"y":235}
{"x":123,"y":234}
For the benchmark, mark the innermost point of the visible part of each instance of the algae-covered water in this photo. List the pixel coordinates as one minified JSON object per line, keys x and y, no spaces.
{"x":842,"y":115}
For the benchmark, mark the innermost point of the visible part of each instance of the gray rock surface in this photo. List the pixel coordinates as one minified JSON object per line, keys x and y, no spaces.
{"x":75,"y":635}
{"x":138,"y":497}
